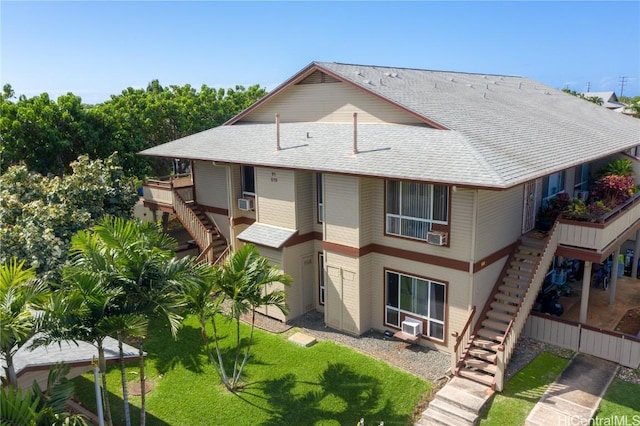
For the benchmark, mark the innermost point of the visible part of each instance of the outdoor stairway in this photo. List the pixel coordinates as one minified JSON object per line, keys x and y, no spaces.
{"x":459,"y":403}
{"x":218,"y":243}
{"x":479,"y":361}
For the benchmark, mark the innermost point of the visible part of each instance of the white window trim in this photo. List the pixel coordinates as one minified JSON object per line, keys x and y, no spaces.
{"x":246,"y":194}
{"x":322,"y":295}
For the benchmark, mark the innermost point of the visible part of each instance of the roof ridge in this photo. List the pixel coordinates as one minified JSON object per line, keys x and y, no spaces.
{"x":418,"y":69}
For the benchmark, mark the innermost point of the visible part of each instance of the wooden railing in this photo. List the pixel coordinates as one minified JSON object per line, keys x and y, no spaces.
{"x":160,"y":190}
{"x":202,"y":236}
{"x":520,"y":318}
{"x":602,"y":231}
{"x":463,"y":337}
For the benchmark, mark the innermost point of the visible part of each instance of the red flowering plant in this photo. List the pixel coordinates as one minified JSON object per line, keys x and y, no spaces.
{"x":614,"y":190}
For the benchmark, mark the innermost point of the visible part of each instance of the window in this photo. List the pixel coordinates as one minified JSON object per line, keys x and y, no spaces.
{"x":581,"y":178}
{"x":412,"y":208}
{"x":321,"y":277}
{"x":417,"y":297}
{"x":248,"y":181}
{"x":320,"y":197}
{"x":552,"y":185}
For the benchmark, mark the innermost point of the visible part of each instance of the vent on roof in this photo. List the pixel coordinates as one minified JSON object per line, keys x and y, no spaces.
{"x":318,"y":77}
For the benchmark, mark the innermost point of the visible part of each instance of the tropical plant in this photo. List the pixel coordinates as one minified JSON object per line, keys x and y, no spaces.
{"x":37,"y":407}
{"x":619,"y":166}
{"x":20,"y":295}
{"x":240,"y":286}
{"x":614,"y":189}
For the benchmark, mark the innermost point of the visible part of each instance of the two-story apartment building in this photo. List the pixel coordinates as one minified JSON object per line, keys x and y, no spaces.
{"x":395,"y":195}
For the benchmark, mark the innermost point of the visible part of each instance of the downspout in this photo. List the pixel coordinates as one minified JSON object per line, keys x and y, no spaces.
{"x":473,"y":248}
{"x":277,"y":131}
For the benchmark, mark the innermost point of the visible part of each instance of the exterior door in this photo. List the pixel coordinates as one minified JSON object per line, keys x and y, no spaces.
{"x":530,"y":206}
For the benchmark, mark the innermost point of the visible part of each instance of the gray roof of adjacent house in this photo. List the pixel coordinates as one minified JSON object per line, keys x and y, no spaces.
{"x":487,"y":131}
{"x":609,"y":99}
{"x":65,"y":352}
{"x":266,"y":235}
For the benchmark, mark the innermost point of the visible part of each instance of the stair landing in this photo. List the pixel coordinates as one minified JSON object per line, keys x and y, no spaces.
{"x":459,"y":402}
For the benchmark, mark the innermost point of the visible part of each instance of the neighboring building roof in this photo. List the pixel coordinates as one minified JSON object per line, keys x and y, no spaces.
{"x":502,"y":131}
{"x":66,"y":352}
{"x":266,"y":235}
{"x":609,"y":99}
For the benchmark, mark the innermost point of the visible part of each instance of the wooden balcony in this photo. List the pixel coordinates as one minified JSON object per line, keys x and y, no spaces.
{"x":601,"y":235}
{"x":158,"y":193}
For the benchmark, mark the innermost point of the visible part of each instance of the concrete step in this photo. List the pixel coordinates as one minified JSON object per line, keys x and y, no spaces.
{"x":512,"y":272}
{"x":523,"y":283}
{"x":477,"y":376}
{"x":495,"y":325}
{"x":535,"y":242}
{"x":496,"y":315}
{"x":491,"y":334}
{"x":504,"y":307}
{"x":481,"y":343}
{"x":526,"y":256}
{"x":511,"y":289}
{"x":485,"y":366}
{"x":453,"y":410}
{"x":489,"y":356}
{"x":524,"y":248}
{"x":508,"y":299}
{"x":432,"y":417}
{"x":522,"y":265}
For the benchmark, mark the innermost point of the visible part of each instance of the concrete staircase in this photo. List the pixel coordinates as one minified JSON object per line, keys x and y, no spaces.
{"x":480,"y":357}
{"x":458,"y":403}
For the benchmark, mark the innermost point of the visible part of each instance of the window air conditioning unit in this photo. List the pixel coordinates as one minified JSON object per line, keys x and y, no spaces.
{"x":245,"y":204}
{"x":412,"y":326}
{"x":437,"y":238}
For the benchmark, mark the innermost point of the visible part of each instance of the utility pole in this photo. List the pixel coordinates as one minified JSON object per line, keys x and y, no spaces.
{"x":622,"y":81}
{"x":588,"y":86}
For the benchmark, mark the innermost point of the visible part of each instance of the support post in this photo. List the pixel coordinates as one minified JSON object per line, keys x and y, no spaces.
{"x":614,"y":276}
{"x":636,"y":255}
{"x":584,"y":297}
{"x":96,"y":380}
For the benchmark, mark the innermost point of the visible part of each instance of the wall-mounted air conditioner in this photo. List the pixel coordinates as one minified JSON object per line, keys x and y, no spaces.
{"x":412,"y":326}
{"x":245,"y":204}
{"x":437,"y":238}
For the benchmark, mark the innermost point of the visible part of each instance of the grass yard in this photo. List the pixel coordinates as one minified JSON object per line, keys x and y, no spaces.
{"x":326,"y":384}
{"x":620,"y":403}
{"x":523,"y":390}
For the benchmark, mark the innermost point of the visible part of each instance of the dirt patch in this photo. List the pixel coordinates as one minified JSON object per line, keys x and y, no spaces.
{"x":136,"y":390}
{"x":630,"y":322}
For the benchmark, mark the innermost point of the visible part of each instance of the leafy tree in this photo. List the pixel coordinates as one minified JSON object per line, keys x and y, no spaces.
{"x":20,"y":294}
{"x":38,"y":214}
{"x":243,"y":282}
{"x":35,"y":407}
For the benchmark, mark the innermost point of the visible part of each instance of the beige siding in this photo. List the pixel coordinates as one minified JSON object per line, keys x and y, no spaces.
{"x":367,"y":191}
{"x":342,"y":308}
{"x":499,"y":219}
{"x":275,"y":259}
{"x":222,"y":222}
{"x":305,"y":202}
{"x":211,"y":184}
{"x":341,"y":209}
{"x":330,"y":102}
{"x":317,"y":225}
{"x":367,"y":291}
{"x":457,"y":296}
{"x":484,"y":281}
{"x":299,"y":262}
{"x":275,"y":192}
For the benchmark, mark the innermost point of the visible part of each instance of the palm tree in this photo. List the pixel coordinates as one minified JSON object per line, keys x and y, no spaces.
{"x":243,"y":282}
{"x":83,"y":309}
{"x":20,"y":294}
{"x":37,"y":407}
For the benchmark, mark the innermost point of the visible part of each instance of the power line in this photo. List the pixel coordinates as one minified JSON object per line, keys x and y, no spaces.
{"x":622,"y":81}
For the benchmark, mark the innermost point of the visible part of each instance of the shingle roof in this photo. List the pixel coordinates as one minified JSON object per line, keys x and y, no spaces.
{"x":266,"y":235}
{"x":504,"y":130}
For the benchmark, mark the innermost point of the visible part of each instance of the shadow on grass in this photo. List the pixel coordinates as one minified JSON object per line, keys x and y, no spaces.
{"x":340,"y":395}
{"x":86,"y":390}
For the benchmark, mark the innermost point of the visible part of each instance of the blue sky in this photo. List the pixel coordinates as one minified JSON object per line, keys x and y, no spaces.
{"x":96,"y":49}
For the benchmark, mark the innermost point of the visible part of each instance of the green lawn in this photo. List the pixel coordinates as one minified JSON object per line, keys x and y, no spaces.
{"x":523,"y":390}
{"x":326,"y":384}
{"x":621,"y":402}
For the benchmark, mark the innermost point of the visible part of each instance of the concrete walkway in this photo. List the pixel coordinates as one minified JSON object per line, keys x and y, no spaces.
{"x":575,"y":396}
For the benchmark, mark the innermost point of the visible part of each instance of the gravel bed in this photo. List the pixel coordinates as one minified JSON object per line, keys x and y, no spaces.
{"x":423,"y":362}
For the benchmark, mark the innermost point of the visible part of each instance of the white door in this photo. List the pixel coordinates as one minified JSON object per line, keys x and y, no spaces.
{"x":530,"y":205}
